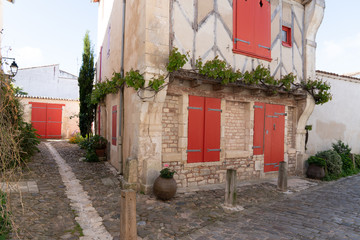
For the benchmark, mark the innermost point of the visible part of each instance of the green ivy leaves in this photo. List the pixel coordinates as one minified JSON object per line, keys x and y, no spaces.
{"x":215,"y":69}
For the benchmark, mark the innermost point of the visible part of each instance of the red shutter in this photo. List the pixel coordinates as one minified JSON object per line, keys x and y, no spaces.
{"x":99,"y":119}
{"x":54,"y":118}
{"x":243,"y":27}
{"x":212,"y":129}
{"x":195,"y":129}
{"x":114,"y":121}
{"x":259,"y":116}
{"x":38,"y":118}
{"x":262,"y":24}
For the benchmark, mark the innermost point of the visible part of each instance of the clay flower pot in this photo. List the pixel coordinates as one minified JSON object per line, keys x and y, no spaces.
{"x":100,"y":152}
{"x":164,"y":188}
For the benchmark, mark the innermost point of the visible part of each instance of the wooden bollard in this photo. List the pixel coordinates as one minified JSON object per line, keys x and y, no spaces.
{"x":230,"y":188}
{"x":128,"y":215}
{"x":282,"y":177}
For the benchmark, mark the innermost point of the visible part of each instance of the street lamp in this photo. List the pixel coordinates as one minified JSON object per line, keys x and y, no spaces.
{"x":13,"y":66}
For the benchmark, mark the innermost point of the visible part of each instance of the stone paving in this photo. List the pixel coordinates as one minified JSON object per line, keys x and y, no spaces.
{"x":325,"y":211}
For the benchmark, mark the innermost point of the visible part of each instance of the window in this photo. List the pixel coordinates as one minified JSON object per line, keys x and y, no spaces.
{"x":252,"y":28}
{"x":286,"y":36}
{"x":114,"y":121}
{"x":204,"y":129}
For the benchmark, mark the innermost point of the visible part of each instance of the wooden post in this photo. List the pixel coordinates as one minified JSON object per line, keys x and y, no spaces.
{"x":282,"y":177}
{"x":230,"y":188}
{"x":128,"y":215}
{"x":353,"y":159}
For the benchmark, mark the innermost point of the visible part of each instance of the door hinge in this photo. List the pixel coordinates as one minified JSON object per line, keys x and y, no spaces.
{"x":195,"y":108}
{"x":193,"y":150}
{"x":214,"y":150}
{"x":281,"y":114}
{"x":258,"y":106}
{"x":256,"y":147}
{"x":216,"y":110}
{"x":240,"y":40}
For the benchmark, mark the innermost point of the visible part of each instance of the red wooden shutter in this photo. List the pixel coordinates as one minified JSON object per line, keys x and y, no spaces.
{"x":99,"y":119}
{"x":259,"y":114}
{"x":262,"y":26}
{"x":243,"y":26}
{"x":212,"y":130}
{"x":54,"y":118}
{"x":114,"y":121}
{"x":38,"y":118}
{"x":195,"y":129}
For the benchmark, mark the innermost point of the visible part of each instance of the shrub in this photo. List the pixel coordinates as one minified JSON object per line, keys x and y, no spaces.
{"x":28,"y":141}
{"x":341,"y":148}
{"x":333,"y":162}
{"x":167,"y":173}
{"x":357,"y":160}
{"x":91,"y":156}
{"x":317,"y":161}
{"x":5,"y":225}
{"x":76,"y":139}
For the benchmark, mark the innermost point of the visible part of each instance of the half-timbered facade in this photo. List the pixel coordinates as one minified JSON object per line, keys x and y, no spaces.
{"x":195,"y":125}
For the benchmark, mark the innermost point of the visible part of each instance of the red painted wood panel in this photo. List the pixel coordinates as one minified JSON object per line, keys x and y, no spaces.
{"x":274,"y":137}
{"x":46,"y":118}
{"x":262,"y":26}
{"x":259,"y":124}
{"x":54,"y":117}
{"x":244,"y":29}
{"x":113,"y":128}
{"x":196,"y":129}
{"x":99,"y":119}
{"x":38,"y":118}
{"x":212,"y":129}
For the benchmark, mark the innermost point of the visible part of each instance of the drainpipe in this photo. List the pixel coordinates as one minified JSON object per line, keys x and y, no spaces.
{"x":122,"y":89}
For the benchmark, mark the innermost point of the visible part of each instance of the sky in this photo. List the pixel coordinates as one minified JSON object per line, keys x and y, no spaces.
{"x":45,"y":32}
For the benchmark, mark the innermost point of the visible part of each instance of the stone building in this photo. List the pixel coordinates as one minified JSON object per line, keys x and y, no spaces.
{"x":195,"y":126}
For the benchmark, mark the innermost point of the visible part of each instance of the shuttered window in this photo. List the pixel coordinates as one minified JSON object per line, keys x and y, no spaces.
{"x":113,"y":129}
{"x":204,"y":129}
{"x":252,"y":28}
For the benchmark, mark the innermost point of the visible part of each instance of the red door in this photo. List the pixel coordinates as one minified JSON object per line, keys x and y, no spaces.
{"x":46,"y":119}
{"x":274,"y":136}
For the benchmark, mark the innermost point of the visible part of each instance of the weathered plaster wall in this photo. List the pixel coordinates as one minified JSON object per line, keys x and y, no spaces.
{"x":47,"y":81}
{"x":209,"y":26}
{"x":337,"y":119}
{"x":70,"y":121}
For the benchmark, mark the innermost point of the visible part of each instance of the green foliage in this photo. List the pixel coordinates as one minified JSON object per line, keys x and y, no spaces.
{"x":5,"y":224}
{"x":317,"y":161}
{"x":76,"y":139}
{"x":167,"y":173}
{"x":91,"y":156}
{"x":134,"y":79}
{"x":176,"y":60}
{"x":218,"y":69}
{"x":85,"y":82}
{"x":319,"y":90}
{"x":341,"y":148}
{"x":156,"y":83}
{"x":357,"y":161}
{"x":91,"y":144}
{"x":28,"y":141}
{"x":333,"y":162}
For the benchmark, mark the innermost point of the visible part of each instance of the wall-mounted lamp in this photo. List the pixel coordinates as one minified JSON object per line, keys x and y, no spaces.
{"x":13,"y":66}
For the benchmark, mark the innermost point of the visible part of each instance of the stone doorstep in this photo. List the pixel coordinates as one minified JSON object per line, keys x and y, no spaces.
{"x":295,"y":184}
{"x":23,"y":187}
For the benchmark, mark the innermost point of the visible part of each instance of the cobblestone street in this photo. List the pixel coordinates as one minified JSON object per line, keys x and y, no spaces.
{"x":44,"y":211}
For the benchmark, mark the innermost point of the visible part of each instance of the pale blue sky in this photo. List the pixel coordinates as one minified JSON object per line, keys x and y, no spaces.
{"x":44,"y":32}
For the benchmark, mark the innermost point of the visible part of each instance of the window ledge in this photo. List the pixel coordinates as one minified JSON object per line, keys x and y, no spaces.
{"x":237,"y":51}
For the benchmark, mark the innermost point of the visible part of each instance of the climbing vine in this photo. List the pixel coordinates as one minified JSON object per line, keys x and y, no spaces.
{"x":215,"y":69}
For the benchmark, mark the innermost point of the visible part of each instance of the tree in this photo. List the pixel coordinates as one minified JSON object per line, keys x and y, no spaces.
{"x":85,"y":82}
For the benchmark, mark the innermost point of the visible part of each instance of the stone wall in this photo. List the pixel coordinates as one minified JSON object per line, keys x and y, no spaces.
{"x":237,"y":123}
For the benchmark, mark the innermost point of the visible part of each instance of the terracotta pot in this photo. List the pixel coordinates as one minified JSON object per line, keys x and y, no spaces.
{"x":100,"y":152}
{"x":315,"y":171}
{"x":164,"y":188}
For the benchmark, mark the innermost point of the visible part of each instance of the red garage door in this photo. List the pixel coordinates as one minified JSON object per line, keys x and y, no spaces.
{"x":46,"y":119}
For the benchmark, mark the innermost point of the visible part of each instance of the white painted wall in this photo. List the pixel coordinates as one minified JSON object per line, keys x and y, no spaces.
{"x":48,"y":81}
{"x":338,"y":119}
